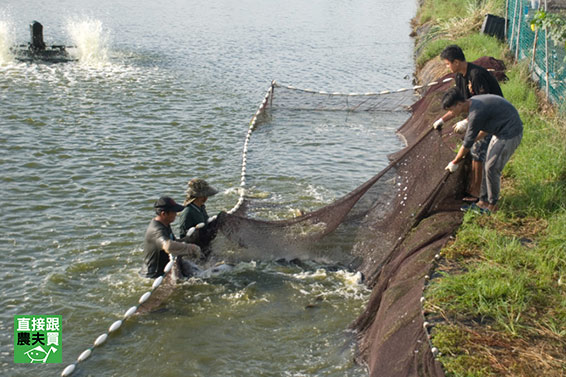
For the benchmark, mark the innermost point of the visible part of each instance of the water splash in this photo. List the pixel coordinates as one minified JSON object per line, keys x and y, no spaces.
{"x":6,"y":41}
{"x":91,"y":41}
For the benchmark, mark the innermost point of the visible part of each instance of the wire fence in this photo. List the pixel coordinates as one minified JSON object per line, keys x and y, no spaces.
{"x":547,"y":60}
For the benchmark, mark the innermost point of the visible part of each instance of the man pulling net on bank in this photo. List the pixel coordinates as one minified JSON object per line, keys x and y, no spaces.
{"x":471,"y":79}
{"x":488,"y":114}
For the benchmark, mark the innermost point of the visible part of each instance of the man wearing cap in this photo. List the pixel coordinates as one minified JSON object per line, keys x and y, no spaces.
{"x":160,"y":241}
{"x":198,"y":191}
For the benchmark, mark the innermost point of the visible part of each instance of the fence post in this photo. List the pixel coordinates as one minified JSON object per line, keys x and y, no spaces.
{"x":534,"y":50}
{"x":518,"y":31}
{"x":513,"y":26}
{"x":506,"y":16}
{"x":546,"y":76}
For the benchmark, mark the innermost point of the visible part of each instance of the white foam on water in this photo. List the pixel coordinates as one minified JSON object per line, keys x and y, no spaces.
{"x":319,"y":193}
{"x":341,"y":283}
{"x":6,"y":41}
{"x":92,"y":41}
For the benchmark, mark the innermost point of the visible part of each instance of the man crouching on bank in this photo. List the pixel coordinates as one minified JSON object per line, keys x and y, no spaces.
{"x":160,"y":241}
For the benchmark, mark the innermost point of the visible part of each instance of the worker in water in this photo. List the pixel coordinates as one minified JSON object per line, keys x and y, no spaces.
{"x":160,"y":241}
{"x":198,"y":192}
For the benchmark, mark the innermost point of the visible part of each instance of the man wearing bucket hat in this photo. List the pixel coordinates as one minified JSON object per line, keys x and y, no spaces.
{"x":198,"y":191}
{"x":160,"y":241}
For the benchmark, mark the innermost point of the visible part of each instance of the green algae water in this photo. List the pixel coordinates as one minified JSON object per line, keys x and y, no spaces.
{"x":163,"y":92}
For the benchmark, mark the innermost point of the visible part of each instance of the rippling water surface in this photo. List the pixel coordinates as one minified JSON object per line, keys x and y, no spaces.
{"x":163,"y":92}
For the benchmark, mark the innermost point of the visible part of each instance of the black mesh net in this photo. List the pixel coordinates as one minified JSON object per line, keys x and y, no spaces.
{"x":368,"y":228}
{"x":289,"y":97}
{"x":383,"y":208}
{"x":389,"y":228}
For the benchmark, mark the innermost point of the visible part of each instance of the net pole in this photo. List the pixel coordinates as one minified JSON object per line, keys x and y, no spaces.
{"x":271,"y":96}
{"x":546,"y":76}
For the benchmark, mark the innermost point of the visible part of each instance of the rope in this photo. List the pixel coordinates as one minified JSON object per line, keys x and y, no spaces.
{"x":252,"y":127}
{"x":340,"y":94}
{"x":265,"y":103}
{"x":354,"y":94}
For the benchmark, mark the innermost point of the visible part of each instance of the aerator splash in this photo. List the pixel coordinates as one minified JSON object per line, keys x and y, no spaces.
{"x":37,"y":51}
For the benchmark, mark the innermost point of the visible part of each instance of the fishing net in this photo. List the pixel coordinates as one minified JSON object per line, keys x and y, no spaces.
{"x":390,"y":228}
{"x":367,"y":228}
{"x":383,"y":208}
{"x":292,"y":98}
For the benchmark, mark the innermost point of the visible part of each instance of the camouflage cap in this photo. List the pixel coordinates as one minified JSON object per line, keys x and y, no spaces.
{"x":197,"y":188}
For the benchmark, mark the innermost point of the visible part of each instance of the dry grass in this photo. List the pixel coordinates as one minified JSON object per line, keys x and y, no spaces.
{"x":530,"y":228}
{"x":461,"y":26}
{"x":504,"y":355}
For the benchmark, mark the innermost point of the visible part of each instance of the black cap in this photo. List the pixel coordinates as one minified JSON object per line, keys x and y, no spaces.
{"x":165,"y":203}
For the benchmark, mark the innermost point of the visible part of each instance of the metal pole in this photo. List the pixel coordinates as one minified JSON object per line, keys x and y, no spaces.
{"x":534,"y":50}
{"x":533,"y":60}
{"x":518,"y":34}
{"x":546,"y":76}
{"x":513,"y":26}
{"x":506,"y":16}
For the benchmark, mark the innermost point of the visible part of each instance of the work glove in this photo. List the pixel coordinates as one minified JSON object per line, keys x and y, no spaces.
{"x":461,"y":126}
{"x":451,"y":167}
{"x":438,"y":124}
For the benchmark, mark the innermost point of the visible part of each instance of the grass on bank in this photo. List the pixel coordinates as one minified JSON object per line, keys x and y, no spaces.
{"x":448,"y":20}
{"x":458,"y":11}
{"x":474,"y":46}
{"x":500,"y":302}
